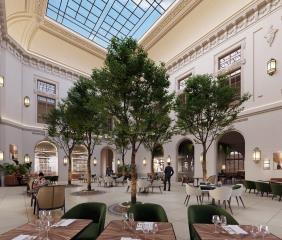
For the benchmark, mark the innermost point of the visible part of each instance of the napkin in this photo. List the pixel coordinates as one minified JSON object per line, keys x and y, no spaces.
{"x":144,"y":225}
{"x":64,"y":223}
{"x":24,"y":237}
{"x":234,"y":229}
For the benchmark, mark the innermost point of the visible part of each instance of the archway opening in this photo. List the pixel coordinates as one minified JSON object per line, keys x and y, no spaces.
{"x":158,"y":159}
{"x":46,"y":158}
{"x":185,"y":159}
{"x":79,"y":159}
{"x":107,"y":161}
{"x":231,"y":156}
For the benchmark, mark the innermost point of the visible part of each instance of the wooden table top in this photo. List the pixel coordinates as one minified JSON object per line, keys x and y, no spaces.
{"x":58,"y":233}
{"x":206,"y":232}
{"x":115,"y":231}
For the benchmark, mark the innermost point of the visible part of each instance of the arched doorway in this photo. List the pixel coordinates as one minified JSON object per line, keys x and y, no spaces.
{"x":231,"y":155}
{"x":158,"y":159}
{"x":46,"y":158}
{"x":107,"y":160}
{"x":79,"y":159}
{"x":185,"y":159}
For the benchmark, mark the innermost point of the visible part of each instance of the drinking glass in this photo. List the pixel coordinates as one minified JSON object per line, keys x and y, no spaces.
{"x":215,"y":221}
{"x":223,"y":220}
{"x":145,"y":230}
{"x":155,"y":229}
{"x":131,"y":219}
{"x":48,"y":224}
{"x":264,"y":230}
{"x":254,"y":231}
{"x":39,"y":228}
{"x":125,"y":219}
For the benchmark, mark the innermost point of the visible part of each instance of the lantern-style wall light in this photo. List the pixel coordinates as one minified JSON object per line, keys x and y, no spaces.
{"x":1,"y":155}
{"x":1,"y":81}
{"x":144,"y":162}
{"x":201,"y":158}
{"x":271,"y":66}
{"x":118,"y":162}
{"x":168,"y":159}
{"x":95,"y":161}
{"x":223,"y":167}
{"x":65,"y":160}
{"x":26,"y":158}
{"x":26,"y":101}
{"x":266,"y":164}
{"x":257,"y":154}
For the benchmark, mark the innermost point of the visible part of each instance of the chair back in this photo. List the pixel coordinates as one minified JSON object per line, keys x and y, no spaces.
{"x":276,"y":189}
{"x":45,"y":197}
{"x":59,"y":196}
{"x":141,"y":183}
{"x":221,"y":193}
{"x":211,"y":179}
{"x":192,"y":191}
{"x":148,"y":212}
{"x":157,"y":183}
{"x":203,"y":214}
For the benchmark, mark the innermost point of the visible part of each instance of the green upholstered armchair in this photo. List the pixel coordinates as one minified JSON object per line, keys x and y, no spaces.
{"x":263,"y":187}
{"x":251,"y":185}
{"x":203,"y":214}
{"x":149,"y":212}
{"x":276,"y":190}
{"x":91,"y":210}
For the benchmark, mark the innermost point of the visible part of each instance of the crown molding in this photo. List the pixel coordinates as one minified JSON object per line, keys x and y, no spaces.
{"x":173,"y":16}
{"x":243,"y":19}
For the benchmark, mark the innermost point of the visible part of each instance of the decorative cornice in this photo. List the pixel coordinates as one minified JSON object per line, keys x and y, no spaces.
{"x":174,"y":16}
{"x":243,"y":19}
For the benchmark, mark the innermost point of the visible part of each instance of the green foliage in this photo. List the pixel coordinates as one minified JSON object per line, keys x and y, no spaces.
{"x":10,"y":169}
{"x":124,"y":168}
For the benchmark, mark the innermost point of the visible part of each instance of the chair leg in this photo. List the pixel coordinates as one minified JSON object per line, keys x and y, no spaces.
{"x":237,"y":201}
{"x":197,"y":200}
{"x":185,"y":199}
{"x":230,"y":207}
{"x":160,"y":189}
{"x":280,"y":198}
{"x":188,"y":200}
{"x":242,"y":201}
{"x":224,"y":201}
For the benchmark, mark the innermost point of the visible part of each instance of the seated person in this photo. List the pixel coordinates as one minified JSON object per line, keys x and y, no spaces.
{"x":39,"y":181}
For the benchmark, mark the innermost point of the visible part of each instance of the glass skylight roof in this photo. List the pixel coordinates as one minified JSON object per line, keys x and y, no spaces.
{"x":100,"y":20}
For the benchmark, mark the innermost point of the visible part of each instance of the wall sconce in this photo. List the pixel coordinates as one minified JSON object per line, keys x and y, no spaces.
{"x":118,"y":162}
{"x":1,"y":155}
{"x":65,"y":160}
{"x":95,"y":161}
{"x":201,"y":158}
{"x":256,"y":154}
{"x":266,"y":164}
{"x":271,"y":66}
{"x":26,"y":158}
{"x":26,"y":101}
{"x":1,"y":81}
{"x":223,"y":167}
{"x":168,"y":159}
{"x":144,"y":162}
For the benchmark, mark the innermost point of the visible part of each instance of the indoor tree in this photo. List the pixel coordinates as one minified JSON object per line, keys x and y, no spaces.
{"x":60,"y":129}
{"x":131,"y":85}
{"x":88,"y":117}
{"x":207,"y":108}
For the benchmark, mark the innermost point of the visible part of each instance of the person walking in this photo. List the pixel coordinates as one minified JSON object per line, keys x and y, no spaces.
{"x":168,"y":172}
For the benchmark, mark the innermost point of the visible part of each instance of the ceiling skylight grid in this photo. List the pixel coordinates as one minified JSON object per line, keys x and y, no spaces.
{"x":100,"y":20}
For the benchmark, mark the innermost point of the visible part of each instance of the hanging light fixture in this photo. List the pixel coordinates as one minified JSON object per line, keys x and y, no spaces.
{"x":26,"y":101}
{"x":271,"y":66}
{"x":118,"y":162}
{"x":144,"y":161}
{"x":65,"y":160}
{"x":1,"y":155}
{"x":95,"y":161}
{"x":26,"y":158}
{"x":256,"y":154}
{"x":1,"y":81}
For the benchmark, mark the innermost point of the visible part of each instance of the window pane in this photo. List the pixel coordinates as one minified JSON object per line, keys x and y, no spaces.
{"x":229,"y":59}
{"x":44,"y":106}
{"x":46,"y":87}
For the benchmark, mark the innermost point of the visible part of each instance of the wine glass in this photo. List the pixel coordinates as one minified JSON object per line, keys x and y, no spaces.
{"x":155,"y":229}
{"x":145,"y":229}
{"x":48,"y":224}
{"x":39,"y":228}
{"x":223,"y":220}
{"x":125,"y":219}
{"x":215,"y":221}
{"x":264,"y":230}
{"x":254,"y":231}
{"x":131,"y":219}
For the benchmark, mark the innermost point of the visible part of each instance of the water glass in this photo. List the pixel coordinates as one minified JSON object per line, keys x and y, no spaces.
{"x":131,"y":219}
{"x":215,"y":221}
{"x":223,"y":220}
{"x":254,"y":231}
{"x":125,"y":219}
{"x":155,"y":229}
{"x":145,"y":230}
{"x":264,"y":230}
{"x":39,"y":227}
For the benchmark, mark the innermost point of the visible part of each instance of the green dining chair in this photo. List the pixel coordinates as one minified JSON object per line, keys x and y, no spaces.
{"x":276,"y":189}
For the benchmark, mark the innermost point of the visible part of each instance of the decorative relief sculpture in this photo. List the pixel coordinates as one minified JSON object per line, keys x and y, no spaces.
{"x":270,"y":35}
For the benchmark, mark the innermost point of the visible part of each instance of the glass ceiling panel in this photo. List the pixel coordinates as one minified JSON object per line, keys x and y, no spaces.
{"x":100,"y":20}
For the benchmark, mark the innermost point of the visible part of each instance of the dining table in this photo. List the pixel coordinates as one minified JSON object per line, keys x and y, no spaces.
{"x":117,"y":229}
{"x":207,"y":232}
{"x":55,"y":233}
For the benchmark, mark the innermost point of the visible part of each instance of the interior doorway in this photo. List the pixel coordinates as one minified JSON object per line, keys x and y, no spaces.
{"x":107,"y":160}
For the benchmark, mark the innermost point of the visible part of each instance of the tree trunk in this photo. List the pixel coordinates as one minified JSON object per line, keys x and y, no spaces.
{"x":89,"y":172}
{"x":69,"y":170}
{"x":123,"y":165}
{"x":204,"y":164}
{"x":152,"y":163}
{"x":133,"y":176}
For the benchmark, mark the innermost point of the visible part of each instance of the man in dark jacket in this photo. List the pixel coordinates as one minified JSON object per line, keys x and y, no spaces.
{"x":168,"y":172}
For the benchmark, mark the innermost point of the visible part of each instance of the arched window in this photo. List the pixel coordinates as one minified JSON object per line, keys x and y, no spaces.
{"x":46,"y":158}
{"x":79,"y":159}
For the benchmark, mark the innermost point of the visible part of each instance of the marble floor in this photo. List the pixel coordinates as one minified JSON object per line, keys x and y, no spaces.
{"x":15,"y":207}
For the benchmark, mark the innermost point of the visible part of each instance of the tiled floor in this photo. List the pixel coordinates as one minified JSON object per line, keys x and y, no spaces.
{"x":15,"y":207}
